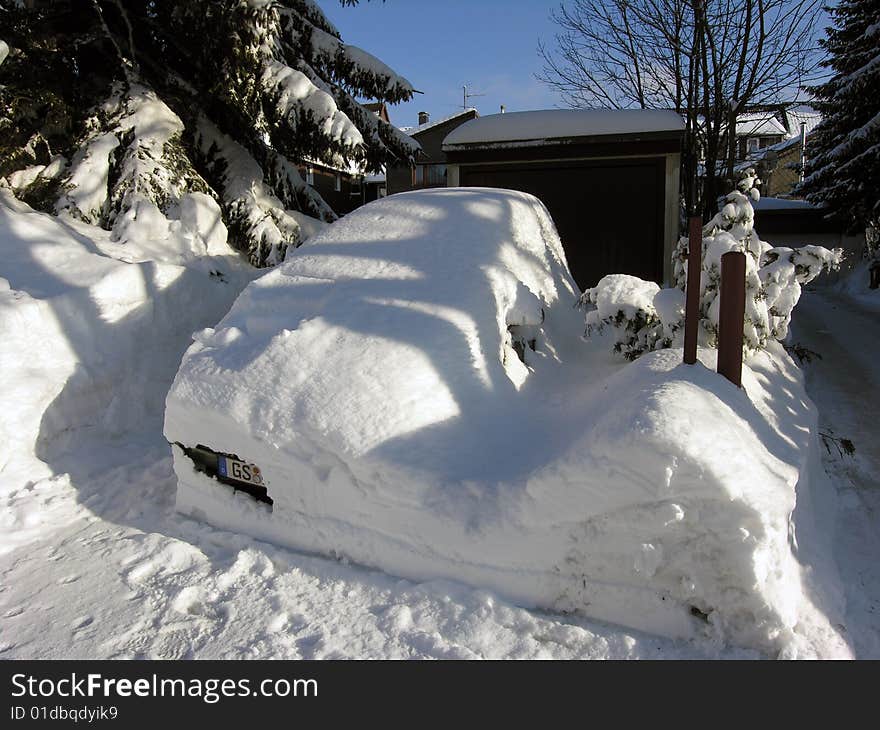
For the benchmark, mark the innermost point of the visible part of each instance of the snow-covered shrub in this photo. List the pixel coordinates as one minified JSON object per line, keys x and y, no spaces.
{"x":645,"y":317}
{"x":782,"y":273}
{"x":627,"y":304}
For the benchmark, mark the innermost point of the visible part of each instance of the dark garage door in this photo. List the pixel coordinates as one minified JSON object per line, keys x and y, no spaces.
{"x":609,"y":213}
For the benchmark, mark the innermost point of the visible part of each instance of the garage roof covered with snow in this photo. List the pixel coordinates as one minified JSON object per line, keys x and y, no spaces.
{"x":539,"y":127}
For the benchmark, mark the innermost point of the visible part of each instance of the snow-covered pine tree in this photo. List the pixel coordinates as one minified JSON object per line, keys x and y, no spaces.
{"x":843,"y":152}
{"x":129,"y":114}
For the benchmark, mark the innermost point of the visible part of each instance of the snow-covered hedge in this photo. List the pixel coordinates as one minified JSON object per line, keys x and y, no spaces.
{"x":645,"y":317}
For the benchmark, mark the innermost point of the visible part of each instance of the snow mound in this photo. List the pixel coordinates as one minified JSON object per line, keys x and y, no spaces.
{"x":856,"y":284}
{"x":413,"y":384}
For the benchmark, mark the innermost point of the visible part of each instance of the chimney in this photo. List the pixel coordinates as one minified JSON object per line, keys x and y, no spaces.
{"x":803,"y":149}
{"x":424,"y":117}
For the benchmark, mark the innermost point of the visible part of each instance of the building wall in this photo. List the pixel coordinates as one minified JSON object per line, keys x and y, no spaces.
{"x":342,"y":201}
{"x":785,"y":175}
{"x":374,"y":191}
{"x":763,"y":141}
{"x":399,"y":178}
{"x":671,"y":214}
{"x":588,"y":199}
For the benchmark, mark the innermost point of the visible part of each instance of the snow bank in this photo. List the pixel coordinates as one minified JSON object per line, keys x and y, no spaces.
{"x":856,"y":285}
{"x":560,"y":123}
{"x":92,"y":331}
{"x":414,"y":387}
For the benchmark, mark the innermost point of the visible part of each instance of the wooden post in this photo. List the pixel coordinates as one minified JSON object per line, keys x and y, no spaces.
{"x":731,"y":316}
{"x":692,"y":289}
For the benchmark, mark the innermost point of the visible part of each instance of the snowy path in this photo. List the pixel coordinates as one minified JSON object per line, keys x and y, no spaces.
{"x":843,"y":379}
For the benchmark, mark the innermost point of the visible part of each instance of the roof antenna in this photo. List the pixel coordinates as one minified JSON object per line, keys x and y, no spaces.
{"x":465,"y":96}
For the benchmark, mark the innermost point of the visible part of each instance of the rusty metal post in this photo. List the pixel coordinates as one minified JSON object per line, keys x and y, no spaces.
{"x":692,"y":289}
{"x":731,"y":316}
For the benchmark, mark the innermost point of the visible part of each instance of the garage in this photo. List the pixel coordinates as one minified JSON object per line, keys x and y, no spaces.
{"x":608,"y":177}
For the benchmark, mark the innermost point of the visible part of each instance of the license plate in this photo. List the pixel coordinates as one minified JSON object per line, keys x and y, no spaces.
{"x":239,"y":470}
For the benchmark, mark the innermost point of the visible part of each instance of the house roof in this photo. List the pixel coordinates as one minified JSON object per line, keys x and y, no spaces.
{"x":379,"y":108}
{"x":759,"y":124}
{"x":413,"y":131}
{"x":804,"y":114}
{"x":536,"y":127}
{"x":794,"y":117}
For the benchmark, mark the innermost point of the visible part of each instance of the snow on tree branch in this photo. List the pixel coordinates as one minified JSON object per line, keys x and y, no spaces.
{"x":153,"y":168}
{"x":288,"y":185}
{"x":383,"y":140}
{"x":257,"y":219}
{"x":118,"y":89}
{"x":361,"y":73}
{"x":85,"y":187}
{"x":296,"y":97}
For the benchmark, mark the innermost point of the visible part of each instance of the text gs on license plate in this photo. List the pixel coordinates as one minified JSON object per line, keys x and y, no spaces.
{"x":239,"y":470}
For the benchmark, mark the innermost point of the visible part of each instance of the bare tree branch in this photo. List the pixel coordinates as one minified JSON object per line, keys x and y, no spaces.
{"x":709,"y":59}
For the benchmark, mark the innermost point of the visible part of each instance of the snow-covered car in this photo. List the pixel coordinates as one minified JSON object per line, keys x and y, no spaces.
{"x":379,"y":378}
{"x":410,"y":390}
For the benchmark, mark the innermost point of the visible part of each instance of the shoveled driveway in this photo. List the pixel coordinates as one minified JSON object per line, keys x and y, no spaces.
{"x":842,"y":368}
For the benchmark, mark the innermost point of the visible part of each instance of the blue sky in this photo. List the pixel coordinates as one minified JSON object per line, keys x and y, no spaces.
{"x":440,"y":45}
